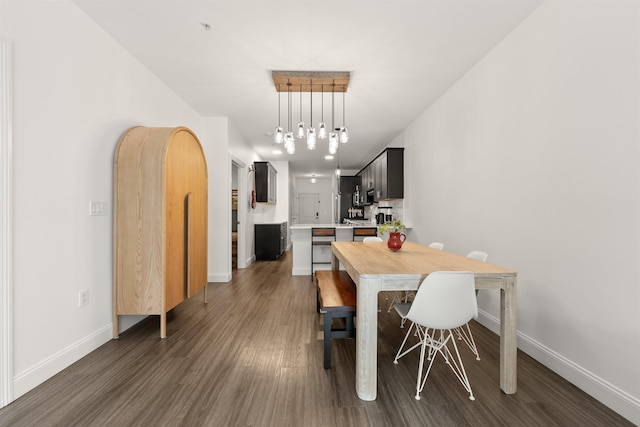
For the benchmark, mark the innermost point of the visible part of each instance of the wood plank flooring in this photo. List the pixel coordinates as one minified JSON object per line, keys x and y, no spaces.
{"x":252,"y":356}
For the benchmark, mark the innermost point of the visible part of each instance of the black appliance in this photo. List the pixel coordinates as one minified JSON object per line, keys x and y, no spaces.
{"x":386,"y":212}
{"x":380,"y":218}
{"x":369,"y":199}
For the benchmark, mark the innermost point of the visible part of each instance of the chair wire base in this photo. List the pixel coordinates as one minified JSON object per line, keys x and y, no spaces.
{"x":429,"y":348}
{"x":464,"y":334}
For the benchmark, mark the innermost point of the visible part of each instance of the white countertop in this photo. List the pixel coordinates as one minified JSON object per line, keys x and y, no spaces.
{"x":338,"y":226}
{"x":309,"y":226}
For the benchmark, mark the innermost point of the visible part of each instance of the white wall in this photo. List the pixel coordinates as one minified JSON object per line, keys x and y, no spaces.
{"x":323,"y":187}
{"x":533,"y":156}
{"x":215,"y":137}
{"x":76,"y":91}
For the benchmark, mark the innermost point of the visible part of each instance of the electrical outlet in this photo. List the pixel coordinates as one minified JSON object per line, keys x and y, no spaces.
{"x":97,"y":208}
{"x":83,"y":298}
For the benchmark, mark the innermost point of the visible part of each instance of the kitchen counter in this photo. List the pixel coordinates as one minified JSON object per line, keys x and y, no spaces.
{"x":301,"y":244}
{"x":366,"y":223}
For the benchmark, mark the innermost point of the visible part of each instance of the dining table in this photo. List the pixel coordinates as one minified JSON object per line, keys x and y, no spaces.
{"x":375,"y":268}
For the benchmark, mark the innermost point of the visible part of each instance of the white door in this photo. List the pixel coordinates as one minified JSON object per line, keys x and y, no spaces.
{"x":308,"y":208}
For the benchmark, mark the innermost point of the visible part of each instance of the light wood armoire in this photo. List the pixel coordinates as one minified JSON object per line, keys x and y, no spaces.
{"x":160,"y":222}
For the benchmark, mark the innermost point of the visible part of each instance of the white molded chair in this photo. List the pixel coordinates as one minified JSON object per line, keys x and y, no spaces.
{"x":464,"y":332}
{"x":372,"y":239}
{"x":478,"y":255}
{"x":444,"y":301}
{"x":408,"y":294}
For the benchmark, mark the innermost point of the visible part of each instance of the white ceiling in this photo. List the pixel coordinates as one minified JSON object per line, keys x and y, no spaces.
{"x":402,"y":55}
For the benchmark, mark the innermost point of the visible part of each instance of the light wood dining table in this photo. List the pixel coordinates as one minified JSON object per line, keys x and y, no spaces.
{"x":374,"y":268}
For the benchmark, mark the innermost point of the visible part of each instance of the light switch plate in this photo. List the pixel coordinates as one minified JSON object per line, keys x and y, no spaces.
{"x":98,"y":208}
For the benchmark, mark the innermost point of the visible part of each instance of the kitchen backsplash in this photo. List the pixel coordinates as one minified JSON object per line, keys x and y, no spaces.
{"x":397,"y":209}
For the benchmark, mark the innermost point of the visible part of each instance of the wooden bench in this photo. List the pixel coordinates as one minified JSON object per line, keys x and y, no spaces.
{"x":336,"y":298}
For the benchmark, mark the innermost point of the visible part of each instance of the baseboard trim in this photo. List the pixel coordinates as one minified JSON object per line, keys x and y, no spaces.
{"x":39,"y":373}
{"x":219,"y":278}
{"x":300,"y":271}
{"x":618,"y":400}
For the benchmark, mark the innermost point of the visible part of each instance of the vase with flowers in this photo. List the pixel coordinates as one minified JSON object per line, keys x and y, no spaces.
{"x":395,"y":229}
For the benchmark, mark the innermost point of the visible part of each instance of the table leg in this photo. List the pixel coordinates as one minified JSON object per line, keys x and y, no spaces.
{"x":367,"y":339}
{"x":508,"y":336}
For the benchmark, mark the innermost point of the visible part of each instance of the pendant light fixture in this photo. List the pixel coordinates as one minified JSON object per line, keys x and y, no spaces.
{"x":333,"y":136}
{"x":322,"y":128}
{"x":279,"y":134}
{"x":301,"y":133}
{"x":311,"y":132}
{"x":289,"y":142}
{"x":344,"y":133}
{"x":311,"y":81}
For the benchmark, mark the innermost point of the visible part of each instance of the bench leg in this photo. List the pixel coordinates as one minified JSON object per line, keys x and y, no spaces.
{"x":327,"y":340}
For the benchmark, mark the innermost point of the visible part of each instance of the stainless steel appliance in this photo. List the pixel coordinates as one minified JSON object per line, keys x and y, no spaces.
{"x":380,"y":218}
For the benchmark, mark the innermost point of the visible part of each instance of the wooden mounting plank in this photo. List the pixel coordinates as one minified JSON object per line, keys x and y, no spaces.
{"x":311,"y":81}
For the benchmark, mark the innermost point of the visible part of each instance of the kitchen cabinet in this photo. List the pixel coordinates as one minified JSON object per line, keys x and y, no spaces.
{"x":377,"y":177}
{"x":385,"y":175}
{"x":266,"y":181}
{"x":366,"y":182}
{"x":393,"y":174}
{"x":270,"y":240}
{"x":382,"y":177}
{"x":160,"y":222}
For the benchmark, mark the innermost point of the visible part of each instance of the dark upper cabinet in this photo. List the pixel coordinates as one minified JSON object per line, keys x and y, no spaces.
{"x":266,"y":182}
{"x":385,"y":175}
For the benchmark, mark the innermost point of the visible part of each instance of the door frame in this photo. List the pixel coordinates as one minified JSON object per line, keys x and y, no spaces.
{"x":6,"y":245}
{"x":242,"y":209}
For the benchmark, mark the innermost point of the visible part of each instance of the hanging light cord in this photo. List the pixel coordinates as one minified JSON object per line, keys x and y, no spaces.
{"x":311,"y":102}
{"x":333,"y":104}
{"x":288,"y":106}
{"x":343,"y":109}
{"x":322,"y":112}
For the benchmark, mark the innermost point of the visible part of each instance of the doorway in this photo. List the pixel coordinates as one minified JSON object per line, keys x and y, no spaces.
{"x":309,"y":208}
{"x":234,"y":216}
{"x":238,"y":206}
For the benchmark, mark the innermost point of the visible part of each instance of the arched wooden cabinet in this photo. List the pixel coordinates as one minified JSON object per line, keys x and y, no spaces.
{"x":160,"y":222}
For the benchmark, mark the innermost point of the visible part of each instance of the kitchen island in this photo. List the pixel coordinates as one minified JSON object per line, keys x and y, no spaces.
{"x":301,"y":244}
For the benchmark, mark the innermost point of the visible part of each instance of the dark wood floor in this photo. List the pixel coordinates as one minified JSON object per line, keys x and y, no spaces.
{"x":253,"y":357}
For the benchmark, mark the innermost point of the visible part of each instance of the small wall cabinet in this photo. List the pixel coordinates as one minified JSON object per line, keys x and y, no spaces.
{"x":160,"y":222}
{"x":266,"y":181}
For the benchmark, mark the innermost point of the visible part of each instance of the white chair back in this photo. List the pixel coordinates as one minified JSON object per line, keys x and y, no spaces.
{"x":372,"y":239}
{"x":437,"y":245}
{"x":445,"y":300}
{"x":478,"y":255}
